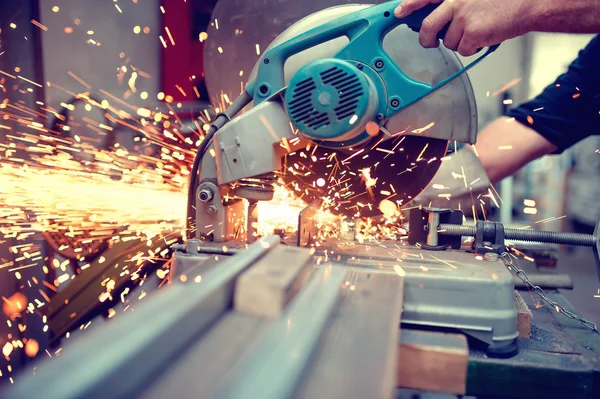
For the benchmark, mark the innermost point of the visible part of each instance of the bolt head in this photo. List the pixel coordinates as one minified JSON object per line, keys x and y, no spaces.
{"x":211,"y":210}
{"x":324,"y":98}
{"x":491,"y":256}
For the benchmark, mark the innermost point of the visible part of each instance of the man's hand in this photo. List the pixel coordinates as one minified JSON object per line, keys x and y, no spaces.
{"x":473,"y":23}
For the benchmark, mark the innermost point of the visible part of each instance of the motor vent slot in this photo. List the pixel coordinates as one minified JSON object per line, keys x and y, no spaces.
{"x":331,"y":100}
{"x":301,"y":107}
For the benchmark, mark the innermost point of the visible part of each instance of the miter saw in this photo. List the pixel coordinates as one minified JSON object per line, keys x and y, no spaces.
{"x":334,"y":105}
{"x":350,"y":110}
{"x":336,"y":95}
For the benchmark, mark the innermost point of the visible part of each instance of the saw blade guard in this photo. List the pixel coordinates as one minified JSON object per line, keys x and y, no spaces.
{"x":355,"y":34}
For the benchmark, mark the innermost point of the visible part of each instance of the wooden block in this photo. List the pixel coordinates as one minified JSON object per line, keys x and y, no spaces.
{"x":432,"y":361}
{"x":356,"y":356}
{"x":523,"y":317}
{"x":272,"y":282}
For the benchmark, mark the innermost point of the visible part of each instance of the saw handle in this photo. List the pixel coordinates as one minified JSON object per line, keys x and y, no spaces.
{"x":365,"y":30}
{"x":415,"y":20}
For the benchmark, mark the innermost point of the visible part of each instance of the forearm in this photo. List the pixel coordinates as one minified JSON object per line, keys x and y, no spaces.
{"x":505,"y":146}
{"x":565,"y":16}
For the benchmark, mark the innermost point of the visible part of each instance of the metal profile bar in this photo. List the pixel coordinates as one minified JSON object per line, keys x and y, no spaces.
{"x":275,"y":365}
{"x":357,"y":354}
{"x":119,"y":360}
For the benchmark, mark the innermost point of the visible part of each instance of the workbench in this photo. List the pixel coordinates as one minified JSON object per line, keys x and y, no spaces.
{"x":560,"y":360}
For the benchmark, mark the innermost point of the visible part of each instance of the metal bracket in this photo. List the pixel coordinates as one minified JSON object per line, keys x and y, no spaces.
{"x":489,"y":237}
{"x":307,"y":224}
{"x":424,"y":225}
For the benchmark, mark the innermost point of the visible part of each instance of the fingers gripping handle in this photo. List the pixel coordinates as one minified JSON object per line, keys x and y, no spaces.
{"x":415,"y":20}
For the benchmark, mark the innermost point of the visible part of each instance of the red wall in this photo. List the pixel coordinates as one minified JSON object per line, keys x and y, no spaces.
{"x":185,"y":59}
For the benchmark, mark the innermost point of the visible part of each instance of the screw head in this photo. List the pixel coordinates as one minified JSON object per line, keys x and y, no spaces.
{"x":359,"y":65}
{"x":211,"y":210}
{"x":266,"y":61}
{"x":379,"y":116}
{"x":395,"y":102}
{"x":490,"y":256}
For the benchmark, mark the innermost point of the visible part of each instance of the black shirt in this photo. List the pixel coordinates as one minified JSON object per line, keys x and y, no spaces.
{"x":568,"y":110}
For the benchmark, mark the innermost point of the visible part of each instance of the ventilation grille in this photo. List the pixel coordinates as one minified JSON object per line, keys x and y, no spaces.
{"x":349,"y":88}
{"x":301,"y":108}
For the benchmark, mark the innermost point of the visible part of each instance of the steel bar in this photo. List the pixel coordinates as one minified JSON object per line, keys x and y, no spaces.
{"x":274,"y":368}
{"x":357,"y":354}
{"x":118,"y":361}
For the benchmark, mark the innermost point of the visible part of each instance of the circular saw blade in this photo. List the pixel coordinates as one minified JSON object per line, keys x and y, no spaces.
{"x":356,"y":181}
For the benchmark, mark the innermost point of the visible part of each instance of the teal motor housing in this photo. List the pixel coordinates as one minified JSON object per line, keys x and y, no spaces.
{"x":330,"y":101}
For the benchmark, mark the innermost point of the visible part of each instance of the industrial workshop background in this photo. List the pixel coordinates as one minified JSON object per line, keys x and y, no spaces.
{"x":146,"y":55}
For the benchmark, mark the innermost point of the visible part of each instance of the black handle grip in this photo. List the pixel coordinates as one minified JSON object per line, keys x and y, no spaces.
{"x":415,"y":20}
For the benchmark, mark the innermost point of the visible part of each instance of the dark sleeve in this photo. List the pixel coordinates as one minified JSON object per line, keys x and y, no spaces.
{"x":568,"y":110}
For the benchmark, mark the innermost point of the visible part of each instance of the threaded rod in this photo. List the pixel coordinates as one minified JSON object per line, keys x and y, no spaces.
{"x":549,"y":237}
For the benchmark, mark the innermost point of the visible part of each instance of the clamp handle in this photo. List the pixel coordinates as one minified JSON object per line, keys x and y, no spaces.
{"x":365,"y":30}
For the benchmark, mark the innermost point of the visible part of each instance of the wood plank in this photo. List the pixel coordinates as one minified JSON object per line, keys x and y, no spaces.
{"x":268,"y":286}
{"x":432,"y":361}
{"x":356,"y":355}
{"x":523,"y":317}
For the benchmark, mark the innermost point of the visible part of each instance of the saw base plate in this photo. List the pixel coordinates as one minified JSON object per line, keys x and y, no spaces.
{"x":449,"y":289}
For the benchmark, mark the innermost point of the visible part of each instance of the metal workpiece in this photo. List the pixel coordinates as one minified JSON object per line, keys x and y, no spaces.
{"x":183,"y":263}
{"x":284,"y":350}
{"x":330,"y":332}
{"x":127,"y":355}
